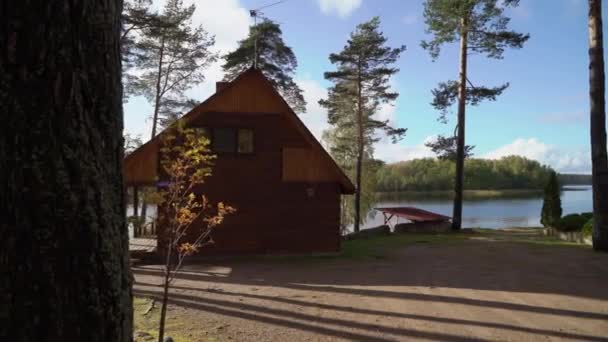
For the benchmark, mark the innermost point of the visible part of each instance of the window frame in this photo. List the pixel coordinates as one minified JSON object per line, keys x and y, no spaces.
{"x":235,"y":151}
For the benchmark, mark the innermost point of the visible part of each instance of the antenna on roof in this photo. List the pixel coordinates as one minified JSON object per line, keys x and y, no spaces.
{"x":255,"y":13}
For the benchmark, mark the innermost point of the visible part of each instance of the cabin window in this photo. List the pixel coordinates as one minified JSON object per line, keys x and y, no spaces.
{"x":245,"y":140}
{"x":231,"y":140}
{"x":224,"y":140}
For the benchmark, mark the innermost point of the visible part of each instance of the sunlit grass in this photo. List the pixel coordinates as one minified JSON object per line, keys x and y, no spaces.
{"x":180,"y":329}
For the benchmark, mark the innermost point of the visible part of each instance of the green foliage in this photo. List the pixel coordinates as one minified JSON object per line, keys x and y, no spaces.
{"x":572,"y":222}
{"x":360,"y":87}
{"x":588,"y":228}
{"x":552,"y":204}
{"x":484,"y":23}
{"x":275,"y":60}
{"x":169,"y":57}
{"x":446,"y":95}
{"x":428,"y":174}
{"x":481,"y":28}
{"x":445,"y":148}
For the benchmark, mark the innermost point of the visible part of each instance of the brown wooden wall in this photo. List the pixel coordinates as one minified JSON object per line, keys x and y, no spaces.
{"x":273,"y":216}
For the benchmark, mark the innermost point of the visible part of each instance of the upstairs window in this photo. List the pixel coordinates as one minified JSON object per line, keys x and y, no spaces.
{"x":224,"y":140}
{"x":231,"y":140}
{"x":245,"y":140}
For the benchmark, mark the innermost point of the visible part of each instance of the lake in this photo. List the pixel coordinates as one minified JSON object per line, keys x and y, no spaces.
{"x":501,"y":211}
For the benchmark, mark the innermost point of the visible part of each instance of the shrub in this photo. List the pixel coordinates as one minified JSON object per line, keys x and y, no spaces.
{"x":572,"y":222}
{"x":552,"y":204}
{"x":588,"y":228}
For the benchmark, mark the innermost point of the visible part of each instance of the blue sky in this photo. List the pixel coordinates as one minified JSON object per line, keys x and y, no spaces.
{"x":543,"y":114}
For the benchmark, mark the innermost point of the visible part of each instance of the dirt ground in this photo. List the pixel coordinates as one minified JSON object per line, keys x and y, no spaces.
{"x":486,"y":287}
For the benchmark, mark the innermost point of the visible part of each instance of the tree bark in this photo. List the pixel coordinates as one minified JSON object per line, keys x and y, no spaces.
{"x":166,"y":280}
{"x":599,"y":159}
{"x":63,"y":237}
{"x":360,"y":146}
{"x":158,"y":80}
{"x":460,"y":143}
{"x":135,"y":200}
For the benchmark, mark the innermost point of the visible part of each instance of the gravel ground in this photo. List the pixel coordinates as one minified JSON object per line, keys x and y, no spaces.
{"x":477,"y":289}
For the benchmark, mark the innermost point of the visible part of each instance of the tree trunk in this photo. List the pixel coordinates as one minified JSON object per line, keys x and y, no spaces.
{"x":163,"y":308}
{"x":64,"y":246}
{"x":135,"y":200}
{"x":158,"y":80}
{"x":460,"y":143}
{"x":360,"y":146}
{"x":598,"y":127}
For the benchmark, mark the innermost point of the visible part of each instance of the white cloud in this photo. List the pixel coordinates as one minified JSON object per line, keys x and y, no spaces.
{"x":561,"y":159}
{"x":315,"y":117}
{"x":390,"y":153}
{"x":342,"y":8}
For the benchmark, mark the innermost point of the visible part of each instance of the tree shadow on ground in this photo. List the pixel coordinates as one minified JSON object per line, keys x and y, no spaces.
{"x":471,"y":265}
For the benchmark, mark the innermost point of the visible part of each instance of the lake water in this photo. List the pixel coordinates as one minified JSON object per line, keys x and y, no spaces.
{"x":496,"y":212}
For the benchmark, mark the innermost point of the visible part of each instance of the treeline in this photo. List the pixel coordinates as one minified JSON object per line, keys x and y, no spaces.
{"x":435,"y":174}
{"x":573,"y":179}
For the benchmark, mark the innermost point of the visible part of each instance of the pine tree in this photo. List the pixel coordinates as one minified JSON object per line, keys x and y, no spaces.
{"x":136,"y":17}
{"x":599,"y":159}
{"x":364,"y":68}
{"x":481,"y":27}
{"x":445,"y":148}
{"x":171,"y":57}
{"x":275,"y":60}
{"x":552,"y":204}
{"x":64,"y":250}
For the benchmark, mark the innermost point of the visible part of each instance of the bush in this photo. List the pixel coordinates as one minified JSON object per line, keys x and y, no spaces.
{"x":552,"y":204}
{"x":572,"y":222}
{"x":588,"y":228}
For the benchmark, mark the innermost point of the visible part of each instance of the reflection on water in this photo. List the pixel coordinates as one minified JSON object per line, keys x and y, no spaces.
{"x":499,"y":211}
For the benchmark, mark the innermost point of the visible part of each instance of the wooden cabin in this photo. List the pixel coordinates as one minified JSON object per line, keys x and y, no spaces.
{"x":285,"y":186}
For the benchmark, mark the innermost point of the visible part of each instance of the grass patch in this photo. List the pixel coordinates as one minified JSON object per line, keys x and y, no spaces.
{"x":146,"y":326}
{"x":381,"y":247}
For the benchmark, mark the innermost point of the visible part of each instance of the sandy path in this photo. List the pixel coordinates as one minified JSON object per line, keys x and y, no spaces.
{"x":466,"y":291}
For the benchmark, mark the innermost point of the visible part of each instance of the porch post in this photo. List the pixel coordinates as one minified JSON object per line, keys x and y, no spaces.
{"x":135,"y":199}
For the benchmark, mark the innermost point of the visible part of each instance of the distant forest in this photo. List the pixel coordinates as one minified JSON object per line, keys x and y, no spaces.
{"x":481,"y":174}
{"x":574,"y":179}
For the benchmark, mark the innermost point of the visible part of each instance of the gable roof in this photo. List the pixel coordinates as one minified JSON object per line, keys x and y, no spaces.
{"x":141,"y":165}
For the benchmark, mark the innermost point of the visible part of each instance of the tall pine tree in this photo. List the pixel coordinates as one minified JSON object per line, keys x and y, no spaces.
{"x":599,"y":160}
{"x":275,"y":60}
{"x":481,"y":27}
{"x":170,"y":59}
{"x":361,"y":86}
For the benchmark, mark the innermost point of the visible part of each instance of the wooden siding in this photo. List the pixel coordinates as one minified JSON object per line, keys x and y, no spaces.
{"x":287,"y":192}
{"x":273,"y":216}
{"x":141,"y":168}
{"x":250,"y":94}
{"x":304,"y":165}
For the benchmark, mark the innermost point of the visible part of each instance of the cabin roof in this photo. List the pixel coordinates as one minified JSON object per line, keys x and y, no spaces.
{"x":140,"y":166}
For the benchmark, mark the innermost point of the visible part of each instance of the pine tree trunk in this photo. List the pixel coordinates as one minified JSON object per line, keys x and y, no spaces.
{"x":158,"y":96}
{"x":359,"y":155}
{"x":460,"y":146}
{"x":64,"y":246}
{"x":598,"y":127}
